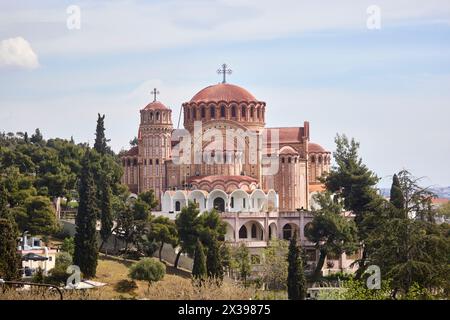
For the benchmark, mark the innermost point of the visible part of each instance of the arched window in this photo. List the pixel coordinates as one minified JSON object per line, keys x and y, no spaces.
{"x":151,"y":115}
{"x":257,"y":113}
{"x":243,"y":232}
{"x":177,"y":206}
{"x":243,"y":112}
{"x":219,"y":204}
{"x":253,"y":231}
{"x":203,"y":112}
{"x":157,"y":116}
{"x":222,"y":111}
{"x":128,"y":162}
{"x":194,"y":113}
{"x":212,"y":111}
{"x":233,"y":111}
{"x":287,"y":232}
{"x":252,"y":112}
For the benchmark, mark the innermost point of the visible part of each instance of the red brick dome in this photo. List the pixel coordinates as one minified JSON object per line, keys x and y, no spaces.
{"x":314,"y":147}
{"x":223,"y":92}
{"x":156,"y":105}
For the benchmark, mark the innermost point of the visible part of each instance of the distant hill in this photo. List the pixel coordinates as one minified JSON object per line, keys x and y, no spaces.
{"x":441,"y":192}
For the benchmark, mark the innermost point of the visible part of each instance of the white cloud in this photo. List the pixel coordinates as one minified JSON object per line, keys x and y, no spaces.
{"x":17,"y":52}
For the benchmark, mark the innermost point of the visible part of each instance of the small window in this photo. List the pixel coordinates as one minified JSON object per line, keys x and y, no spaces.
{"x":203,"y":112}
{"x":212,"y":110}
{"x":222,"y":111}
{"x":253,"y":231}
{"x":244,"y":112}
{"x":233,"y":111}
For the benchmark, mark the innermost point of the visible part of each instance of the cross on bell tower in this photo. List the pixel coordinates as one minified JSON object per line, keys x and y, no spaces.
{"x":224,"y":71}
{"x":154,"y":93}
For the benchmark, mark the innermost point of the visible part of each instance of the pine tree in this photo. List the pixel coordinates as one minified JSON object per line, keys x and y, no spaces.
{"x":214,"y":266}
{"x":296,"y":282}
{"x":397,"y":198}
{"x":86,"y":251}
{"x":199,"y":268}
{"x":352,"y":181}
{"x":187,"y":226}
{"x":25,"y":137}
{"x":100,"y":139}
{"x":37,"y":137}
{"x":9,"y":258}
{"x":106,"y":211}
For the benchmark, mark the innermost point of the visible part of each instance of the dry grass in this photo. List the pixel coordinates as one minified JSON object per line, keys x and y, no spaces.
{"x":176,"y":285}
{"x":45,"y":294}
{"x":113,"y":271}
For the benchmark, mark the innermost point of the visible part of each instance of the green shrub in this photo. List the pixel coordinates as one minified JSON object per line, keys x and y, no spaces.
{"x":68,"y":245}
{"x":147,"y":269}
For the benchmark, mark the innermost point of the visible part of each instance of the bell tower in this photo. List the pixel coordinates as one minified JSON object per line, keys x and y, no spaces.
{"x":154,"y":141}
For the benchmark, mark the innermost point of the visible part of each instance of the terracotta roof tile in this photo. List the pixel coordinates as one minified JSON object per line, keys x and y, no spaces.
{"x":223,"y":92}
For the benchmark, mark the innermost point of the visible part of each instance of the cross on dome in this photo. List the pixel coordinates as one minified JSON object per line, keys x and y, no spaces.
{"x":154,"y":93}
{"x":224,"y":71}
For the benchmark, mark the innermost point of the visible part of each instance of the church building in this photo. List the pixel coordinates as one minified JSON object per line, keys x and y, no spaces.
{"x":261,"y":180}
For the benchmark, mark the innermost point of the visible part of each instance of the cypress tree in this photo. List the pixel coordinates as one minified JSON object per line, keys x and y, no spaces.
{"x":106,"y":212}
{"x":4,"y":212}
{"x":296,"y":282}
{"x":214,"y":266}
{"x":86,"y":251}
{"x":397,"y":198}
{"x":100,"y":139}
{"x":199,"y":268}
{"x":10,"y":261}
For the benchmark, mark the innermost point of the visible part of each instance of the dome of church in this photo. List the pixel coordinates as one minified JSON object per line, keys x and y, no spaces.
{"x":223,"y":92}
{"x":156,"y":105}
{"x":314,"y":147}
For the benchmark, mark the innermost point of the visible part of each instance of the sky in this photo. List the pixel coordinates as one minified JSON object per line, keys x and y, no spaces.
{"x":316,"y":61}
